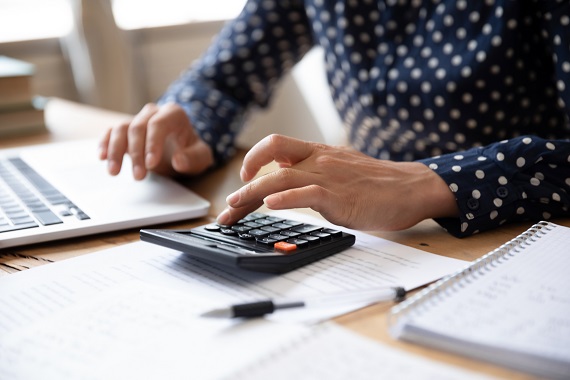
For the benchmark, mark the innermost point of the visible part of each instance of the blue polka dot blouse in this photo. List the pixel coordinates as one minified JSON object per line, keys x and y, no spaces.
{"x":479,"y":91}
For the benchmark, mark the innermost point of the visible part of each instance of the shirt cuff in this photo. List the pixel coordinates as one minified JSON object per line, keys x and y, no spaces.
{"x":485,"y":197}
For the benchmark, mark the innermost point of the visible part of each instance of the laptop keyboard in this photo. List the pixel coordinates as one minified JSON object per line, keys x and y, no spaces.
{"x":27,"y":200}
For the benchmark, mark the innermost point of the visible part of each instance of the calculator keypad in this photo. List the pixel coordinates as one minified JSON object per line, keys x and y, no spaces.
{"x":258,"y":242}
{"x":282,"y":235}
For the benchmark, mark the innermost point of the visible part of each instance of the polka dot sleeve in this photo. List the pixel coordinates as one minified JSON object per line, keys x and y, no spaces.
{"x":555,"y":30}
{"x":240,"y":69}
{"x":525,"y":178}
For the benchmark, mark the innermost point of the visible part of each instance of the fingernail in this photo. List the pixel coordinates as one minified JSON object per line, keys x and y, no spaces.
{"x":138,"y":172}
{"x":102,"y":152}
{"x":233,"y":198}
{"x":270,"y":201}
{"x":149,"y":160}
{"x":112,"y":167}
{"x":224,"y":217}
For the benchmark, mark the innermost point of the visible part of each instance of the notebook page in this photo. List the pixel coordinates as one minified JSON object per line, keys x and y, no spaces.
{"x":521,"y":303}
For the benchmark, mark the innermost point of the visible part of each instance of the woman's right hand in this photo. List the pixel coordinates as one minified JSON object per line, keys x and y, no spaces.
{"x":160,"y":139}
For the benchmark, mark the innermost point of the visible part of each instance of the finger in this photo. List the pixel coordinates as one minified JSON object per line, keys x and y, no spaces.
{"x":137,"y":137}
{"x":232,"y":215}
{"x":194,"y":159}
{"x":313,"y":196}
{"x":286,"y":151}
{"x":274,"y":182}
{"x":117,"y":148}
{"x":169,"y":120}
{"x":104,"y":144}
{"x":308,"y":196}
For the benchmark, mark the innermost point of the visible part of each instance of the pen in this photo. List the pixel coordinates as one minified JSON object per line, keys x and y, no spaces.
{"x":259,"y":308}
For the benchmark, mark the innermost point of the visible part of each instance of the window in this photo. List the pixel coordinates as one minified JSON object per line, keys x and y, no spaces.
{"x":37,"y":19}
{"x":34,"y":19}
{"x":135,"y":14}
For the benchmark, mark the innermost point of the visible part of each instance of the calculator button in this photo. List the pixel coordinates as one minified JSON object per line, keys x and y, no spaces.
{"x":271,"y":229}
{"x":212,"y":228}
{"x":258,"y":233}
{"x":246,"y":236}
{"x":306,"y":228}
{"x":241,"y":228}
{"x":321,"y":235}
{"x":253,"y":224}
{"x":310,"y":239}
{"x":264,"y":222}
{"x":284,"y":246}
{"x":228,"y":231}
{"x":274,"y":219}
{"x":266,"y":241}
{"x":333,"y":233}
{"x":289,"y":233}
{"x":281,"y":226}
{"x":300,"y":243}
{"x":292,"y":223}
{"x":278,"y":237}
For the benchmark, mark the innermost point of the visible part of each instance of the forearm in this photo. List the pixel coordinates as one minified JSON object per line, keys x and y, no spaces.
{"x":240,"y":70}
{"x":526,"y":178}
{"x":215,"y":116}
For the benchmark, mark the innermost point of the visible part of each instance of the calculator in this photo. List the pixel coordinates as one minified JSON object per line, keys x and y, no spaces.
{"x":259,"y":242}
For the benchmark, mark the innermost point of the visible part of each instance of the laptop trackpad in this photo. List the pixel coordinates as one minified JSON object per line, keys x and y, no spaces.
{"x":75,"y":169}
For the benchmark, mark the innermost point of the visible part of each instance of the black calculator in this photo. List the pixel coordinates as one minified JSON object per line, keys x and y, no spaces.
{"x":259,"y":242}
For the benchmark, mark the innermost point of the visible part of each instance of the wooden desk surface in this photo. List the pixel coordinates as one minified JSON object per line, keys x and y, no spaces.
{"x":67,"y":120}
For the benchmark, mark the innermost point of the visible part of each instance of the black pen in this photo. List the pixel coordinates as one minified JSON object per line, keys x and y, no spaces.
{"x":260,"y":308}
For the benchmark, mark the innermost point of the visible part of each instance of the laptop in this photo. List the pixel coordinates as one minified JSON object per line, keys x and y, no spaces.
{"x":62,"y":190}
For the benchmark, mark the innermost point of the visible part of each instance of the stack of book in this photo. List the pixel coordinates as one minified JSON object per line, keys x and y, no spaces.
{"x":20,"y":111}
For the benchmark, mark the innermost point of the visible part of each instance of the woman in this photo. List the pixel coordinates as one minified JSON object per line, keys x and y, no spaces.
{"x":455,"y":110}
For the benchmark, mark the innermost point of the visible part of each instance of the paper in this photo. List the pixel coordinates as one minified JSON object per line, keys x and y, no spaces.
{"x":334,"y":353}
{"x":136,"y":331}
{"x":135,"y":309}
{"x":511,"y":307}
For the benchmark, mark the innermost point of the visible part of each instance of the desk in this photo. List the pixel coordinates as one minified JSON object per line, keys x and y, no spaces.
{"x":67,"y":120}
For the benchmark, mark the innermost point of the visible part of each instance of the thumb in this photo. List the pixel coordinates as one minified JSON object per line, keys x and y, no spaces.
{"x":193,"y":159}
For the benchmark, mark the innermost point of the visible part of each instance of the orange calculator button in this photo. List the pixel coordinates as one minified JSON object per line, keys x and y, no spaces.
{"x":284,"y":246}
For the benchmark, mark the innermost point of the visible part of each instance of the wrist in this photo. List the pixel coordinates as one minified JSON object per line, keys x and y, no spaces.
{"x":439,"y":198}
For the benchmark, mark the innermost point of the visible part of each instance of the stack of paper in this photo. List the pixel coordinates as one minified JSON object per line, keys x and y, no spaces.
{"x":134,"y":311}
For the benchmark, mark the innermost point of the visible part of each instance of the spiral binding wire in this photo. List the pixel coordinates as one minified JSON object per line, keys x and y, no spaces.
{"x":430,"y":296}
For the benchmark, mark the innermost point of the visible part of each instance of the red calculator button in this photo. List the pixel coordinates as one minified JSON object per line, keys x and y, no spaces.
{"x":284,"y":246}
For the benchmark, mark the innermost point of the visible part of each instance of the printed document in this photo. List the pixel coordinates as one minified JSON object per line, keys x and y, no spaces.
{"x":137,"y":308}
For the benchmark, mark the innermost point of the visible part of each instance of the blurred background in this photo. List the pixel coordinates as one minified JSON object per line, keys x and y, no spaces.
{"x":121,"y":54}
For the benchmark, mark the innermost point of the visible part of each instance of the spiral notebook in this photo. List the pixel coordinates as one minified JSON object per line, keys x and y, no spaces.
{"x":511,"y":307}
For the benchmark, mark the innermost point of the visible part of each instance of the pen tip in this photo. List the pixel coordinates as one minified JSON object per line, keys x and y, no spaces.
{"x":217,"y":313}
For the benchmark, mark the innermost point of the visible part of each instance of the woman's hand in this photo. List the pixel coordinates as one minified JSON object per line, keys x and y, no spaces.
{"x":159,"y":139}
{"x":346,"y":187}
